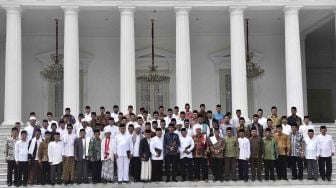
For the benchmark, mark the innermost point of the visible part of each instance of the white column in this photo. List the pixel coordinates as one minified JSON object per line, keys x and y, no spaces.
{"x":127,"y":59}
{"x":335,"y":22}
{"x":294,"y":89}
{"x":238,"y":60}
{"x":13,"y":66}
{"x":183,"y":64}
{"x":71,"y":59}
{"x":304,"y":75}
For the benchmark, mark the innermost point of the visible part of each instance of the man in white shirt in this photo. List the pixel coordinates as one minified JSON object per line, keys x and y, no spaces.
{"x":87,"y":114}
{"x":62,"y":129}
{"x":303,"y":129}
{"x":235,"y":121}
{"x":68,"y":156}
{"x":78,"y":125}
{"x":44,"y":128}
{"x":186,"y":148}
{"x":51,"y":120}
{"x":262,"y":120}
{"x":31,"y":127}
{"x":190,"y":131}
{"x":88,"y":130}
{"x":176,"y":114}
{"x":55,"y":150}
{"x":286,"y":129}
{"x":34,"y":167}
{"x":115,"y":113}
{"x":169,"y":116}
{"x":204,"y":127}
{"x":112,"y":128}
{"x":123,"y":152}
{"x":21,"y":158}
{"x":243,"y":155}
{"x":327,"y":150}
{"x":156,"y":149}
{"x":136,"y":161}
{"x":311,"y":154}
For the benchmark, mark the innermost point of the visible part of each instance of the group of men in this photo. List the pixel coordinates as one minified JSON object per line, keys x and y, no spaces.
{"x":111,"y":147}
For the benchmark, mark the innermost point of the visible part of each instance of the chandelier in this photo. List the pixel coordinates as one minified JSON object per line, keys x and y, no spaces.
{"x":153,"y":75}
{"x":252,"y":69}
{"x":54,"y":72}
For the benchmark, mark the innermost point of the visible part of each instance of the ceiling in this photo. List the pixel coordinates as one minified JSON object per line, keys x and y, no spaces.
{"x":202,"y":22}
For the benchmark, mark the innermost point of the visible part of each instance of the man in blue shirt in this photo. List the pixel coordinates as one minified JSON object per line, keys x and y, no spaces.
{"x":219,"y":116}
{"x":171,"y":143}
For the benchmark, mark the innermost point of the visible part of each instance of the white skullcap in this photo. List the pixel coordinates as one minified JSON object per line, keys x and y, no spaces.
{"x":198,"y":126}
{"x":32,"y":118}
{"x":84,"y":120}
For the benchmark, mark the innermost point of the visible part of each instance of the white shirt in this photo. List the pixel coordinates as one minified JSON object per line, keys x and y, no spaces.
{"x":244,"y":148}
{"x":263,"y":121}
{"x":110,"y":150}
{"x":311,"y":147}
{"x":21,"y":150}
{"x":51,"y":122}
{"x":30,"y":131}
{"x":88,"y":132}
{"x":55,"y":150}
{"x":68,"y":144}
{"x":43,"y":130}
{"x":122,"y":144}
{"x":185,"y":142}
{"x":86,"y":143}
{"x":177,"y":117}
{"x":156,"y":142}
{"x":303,"y":129}
{"x":235,"y":122}
{"x":62,"y":132}
{"x":136,"y":146}
{"x":286,"y":129}
{"x":115,"y":117}
{"x":326,"y":144}
{"x":190,"y":132}
{"x":167,"y":119}
{"x":114,"y":130}
{"x":87,"y":116}
{"x":77,"y":127}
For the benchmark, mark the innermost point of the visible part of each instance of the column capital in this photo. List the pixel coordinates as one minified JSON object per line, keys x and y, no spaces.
{"x":237,"y":8}
{"x":292,"y":9}
{"x":127,"y":9}
{"x":74,"y":9}
{"x":13,"y":8}
{"x":182,"y":10}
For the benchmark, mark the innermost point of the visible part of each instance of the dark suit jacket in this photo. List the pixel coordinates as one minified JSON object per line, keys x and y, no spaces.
{"x":78,"y":150}
{"x":144,"y":151}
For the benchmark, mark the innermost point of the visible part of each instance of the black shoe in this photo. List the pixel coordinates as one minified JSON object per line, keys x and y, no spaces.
{"x":126,"y":181}
{"x":174,"y":180}
{"x":285,"y":179}
{"x":246,"y":180}
{"x":259,"y":179}
{"x":252,"y":179}
{"x":315,"y":179}
{"x":323,"y":179}
{"x":310,"y":178}
{"x":294,"y":178}
{"x":328,"y":178}
{"x":119,"y":182}
{"x":10,"y":184}
{"x":167,"y":180}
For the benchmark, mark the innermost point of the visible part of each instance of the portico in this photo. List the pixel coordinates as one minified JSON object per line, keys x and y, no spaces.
{"x":190,"y":82}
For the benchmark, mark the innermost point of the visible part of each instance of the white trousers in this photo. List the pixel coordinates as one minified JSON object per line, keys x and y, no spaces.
{"x":123,"y":168}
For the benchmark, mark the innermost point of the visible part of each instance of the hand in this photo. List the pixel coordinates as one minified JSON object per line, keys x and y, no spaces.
{"x":17,"y":162}
{"x":157,"y":156}
{"x":116,"y":156}
{"x":302,"y":155}
{"x":317,"y":158}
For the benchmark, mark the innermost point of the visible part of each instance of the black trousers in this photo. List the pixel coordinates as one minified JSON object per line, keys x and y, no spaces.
{"x":243,"y":169}
{"x":136,"y":168}
{"x":269,"y":169}
{"x":217,"y":168}
{"x":297,"y":166}
{"x":96,"y":168}
{"x":157,"y":170}
{"x":45,"y":178}
{"x":325,"y":167}
{"x":12,"y":168}
{"x":200,"y":165}
{"x":23,"y":172}
{"x":186,"y":168}
{"x":281,"y":164}
{"x":171,"y":160}
{"x":230,"y":164}
{"x":82,"y":171}
{"x":256,"y":166}
{"x":56,"y":173}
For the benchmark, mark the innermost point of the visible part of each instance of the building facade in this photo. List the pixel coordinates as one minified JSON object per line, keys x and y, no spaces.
{"x":200,"y":44}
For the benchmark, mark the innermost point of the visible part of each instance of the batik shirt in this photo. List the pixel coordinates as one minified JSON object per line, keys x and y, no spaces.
{"x":10,"y":148}
{"x":95,"y":149}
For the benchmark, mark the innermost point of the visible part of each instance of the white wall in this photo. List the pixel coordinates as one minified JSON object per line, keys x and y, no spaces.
{"x":104,"y":73}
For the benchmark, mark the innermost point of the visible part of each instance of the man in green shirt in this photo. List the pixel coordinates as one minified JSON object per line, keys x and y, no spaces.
{"x":230,"y":154}
{"x":270,"y":154}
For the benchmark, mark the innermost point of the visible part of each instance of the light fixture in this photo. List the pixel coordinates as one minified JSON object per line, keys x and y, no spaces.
{"x":252,"y":69}
{"x":153,"y":75}
{"x":55,"y":71}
